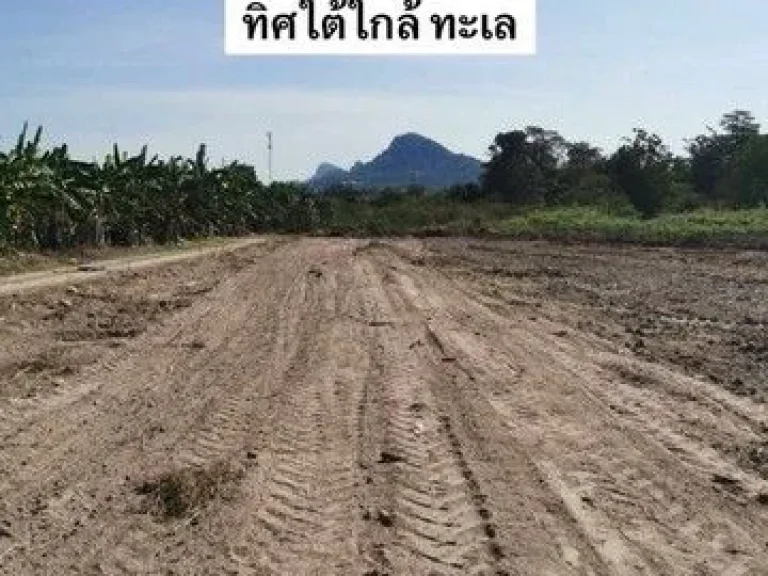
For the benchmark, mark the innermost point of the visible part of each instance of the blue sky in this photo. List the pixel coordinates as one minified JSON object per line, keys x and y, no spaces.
{"x":94,"y":72}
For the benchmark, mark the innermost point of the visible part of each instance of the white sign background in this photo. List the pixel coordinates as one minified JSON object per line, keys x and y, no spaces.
{"x":524,"y":11}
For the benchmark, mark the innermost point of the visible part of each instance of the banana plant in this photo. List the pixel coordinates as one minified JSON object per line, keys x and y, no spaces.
{"x":50,"y":200}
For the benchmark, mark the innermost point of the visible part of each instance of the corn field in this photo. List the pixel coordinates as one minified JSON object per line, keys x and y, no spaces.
{"x":50,"y":201}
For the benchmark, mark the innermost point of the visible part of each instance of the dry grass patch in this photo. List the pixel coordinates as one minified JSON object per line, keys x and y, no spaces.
{"x":183,"y":492}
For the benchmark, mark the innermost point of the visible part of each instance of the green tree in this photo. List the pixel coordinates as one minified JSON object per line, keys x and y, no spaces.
{"x":524,"y":164}
{"x":713,"y":156}
{"x":642,"y":169}
{"x":582,"y":177}
{"x":739,"y":126}
{"x":750,"y":174}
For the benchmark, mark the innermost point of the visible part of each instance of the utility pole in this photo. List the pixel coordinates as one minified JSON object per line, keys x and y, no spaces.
{"x":269,"y":157}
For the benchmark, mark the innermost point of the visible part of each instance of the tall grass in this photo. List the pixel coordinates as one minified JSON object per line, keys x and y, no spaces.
{"x":407,"y":215}
{"x":703,"y":227}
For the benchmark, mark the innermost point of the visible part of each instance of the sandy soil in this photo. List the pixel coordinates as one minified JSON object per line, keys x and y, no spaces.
{"x":369,"y":408}
{"x":88,"y":271}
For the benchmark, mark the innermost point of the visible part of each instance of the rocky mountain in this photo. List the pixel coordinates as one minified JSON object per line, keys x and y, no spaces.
{"x":410,"y":159}
{"x":327,"y":170}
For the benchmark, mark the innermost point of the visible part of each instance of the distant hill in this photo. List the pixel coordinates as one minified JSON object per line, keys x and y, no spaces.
{"x":331,"y":171}
{"x":410,"y":159}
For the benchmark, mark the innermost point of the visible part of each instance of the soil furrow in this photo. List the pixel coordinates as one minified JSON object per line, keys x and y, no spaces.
{"x":440,"y":528}
{"x":404,"y":407}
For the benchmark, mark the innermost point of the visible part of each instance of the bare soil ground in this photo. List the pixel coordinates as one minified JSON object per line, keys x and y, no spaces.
{"x":407,"y":407}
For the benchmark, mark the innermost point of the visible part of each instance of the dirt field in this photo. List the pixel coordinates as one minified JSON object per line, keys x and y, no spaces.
{"x":345,"y":407}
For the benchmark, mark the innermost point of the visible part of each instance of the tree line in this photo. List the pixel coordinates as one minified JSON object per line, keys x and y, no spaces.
{"x":725,"y":167}
{"x":49,"y":200}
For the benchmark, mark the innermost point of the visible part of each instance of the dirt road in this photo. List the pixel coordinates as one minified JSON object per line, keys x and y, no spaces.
{"x":18,"y":283}
{"x":364,"y":408}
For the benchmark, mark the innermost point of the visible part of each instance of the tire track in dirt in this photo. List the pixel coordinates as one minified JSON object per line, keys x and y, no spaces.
{"x":131,"y":546}
{"x":225,"y":350}
{"x":666,"y":385}
{"x":527,"y":528}
{"x":27,"y":412}
{"x":17,"y":414}
{"x":609,"y":547}
{"x":386,"y":420}
{"x":306,"y":509}
{"x":224,"y":431}
{"x":600,"y":487}
{"x":305,"y":485}
{"x":436,"y":492}
{"x":295,"y":493}
{"x":439,"y":519}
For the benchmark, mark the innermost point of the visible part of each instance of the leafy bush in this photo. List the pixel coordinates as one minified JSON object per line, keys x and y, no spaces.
{"x":50,"y":201}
